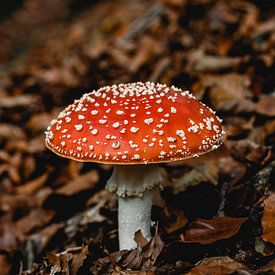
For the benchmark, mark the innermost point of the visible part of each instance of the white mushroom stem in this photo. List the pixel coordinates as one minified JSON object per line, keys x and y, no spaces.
{"x":134,"y":213}
{"x":133,"y":184}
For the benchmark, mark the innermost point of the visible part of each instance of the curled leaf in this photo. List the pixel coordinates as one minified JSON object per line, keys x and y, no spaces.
{"x":268,"y":220}
{"x":209,"y":231}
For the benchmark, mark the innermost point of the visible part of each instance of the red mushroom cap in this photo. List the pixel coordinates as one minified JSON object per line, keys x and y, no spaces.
{"x":135,"y":123}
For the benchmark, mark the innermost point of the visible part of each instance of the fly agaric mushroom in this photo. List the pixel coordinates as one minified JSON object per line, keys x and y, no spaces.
{"x":134,"y":127}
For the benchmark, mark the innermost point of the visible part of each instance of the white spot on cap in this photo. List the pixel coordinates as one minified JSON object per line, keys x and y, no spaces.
{"x":116,"y":124}
{"x":134,"y":129}
{"x":94,"y":131}
{"x":171,"y":139}
{"x":78,"y":127}
{"x":68,"y":119}
{"x":116,"y":145}
{"x":120,"y":112}
{"x":102,"y":121}
{"x":94,"y":112}
{"x":148,"y":120}
{"x":81,"y":117}
{"x":136,"y":156}
{"x":173,"y":110}
{"x":160,"y":110}
{"x":91,"y":147}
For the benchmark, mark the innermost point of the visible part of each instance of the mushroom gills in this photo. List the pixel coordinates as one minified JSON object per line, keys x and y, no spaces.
{"x":134,"y":186}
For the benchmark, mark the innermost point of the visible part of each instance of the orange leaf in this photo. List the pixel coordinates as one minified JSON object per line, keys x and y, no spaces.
{"x":268,"y":220}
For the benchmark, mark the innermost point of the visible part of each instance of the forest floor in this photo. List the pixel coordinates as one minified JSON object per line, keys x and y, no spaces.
{"x":218,"y":217}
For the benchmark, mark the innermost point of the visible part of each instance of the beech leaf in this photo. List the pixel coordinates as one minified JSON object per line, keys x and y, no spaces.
{"x":209,"y":231}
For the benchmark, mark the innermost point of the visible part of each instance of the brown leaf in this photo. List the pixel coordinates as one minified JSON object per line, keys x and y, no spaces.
{"x":79,"y":184}
{"x":39,"y":122}
{"x":174,"y":218}
{"x":209,"y":231}
{"x":32,"y":186}
{"x":37,"y":218}
{"x":8,"y":131}
{"x":266,"y":106}
{"x":217,"y":266}
{"x":229,"y":92}
{"x":119,"y":271}
{"x":201,"y":62}
{"x":78,"y":260}
{"x":143,"y":258}
{"x":5,"y":265}
{"x":268,"y":220}
{"x":54,"y":261}
{"x":10,"y":236}
{"x":203,"y":172}
{"x":19,"y":101}
{"x":269,"y":267}
{"x":149,"y":47}
{"x":44,"y":236}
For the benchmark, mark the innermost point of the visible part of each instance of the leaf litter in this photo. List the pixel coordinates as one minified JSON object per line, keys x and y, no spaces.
{"x":55,"y":214}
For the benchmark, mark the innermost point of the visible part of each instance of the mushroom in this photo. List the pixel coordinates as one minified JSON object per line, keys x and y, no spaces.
{"x":135,"y":127}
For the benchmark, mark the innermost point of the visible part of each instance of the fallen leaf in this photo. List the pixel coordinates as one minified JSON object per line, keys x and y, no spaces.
{"x":8,"y":131}
{"x":78,"y":260}
{"x":201,"y":62}
{"x":268,"y":220}
{"x":43,"y":237}
{"x":5,"y":264}
{"x":143,"y":258}
{"x":203,"y":172}
{"x":149,"y":47}
{"x":36,"y":219}
{"x":173,"y":217}
{"x":266,"y":106}
{"x":39,"y":122}
{"x":217,"y":266}
{"x":119,"y":271}
{"x":19,"y":101}
{"x":33,"y":185}
{"x":245,"y":194}
{"x":79,"y":184}
{"x":54,"y":261}
{"x":10,"y":236}
{"x":269,"y":267}
{"x":209,"y":231}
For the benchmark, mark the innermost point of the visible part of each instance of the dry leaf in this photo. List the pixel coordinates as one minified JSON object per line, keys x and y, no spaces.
{"x":32,"y":186}
{"x":9,"y":131}
{"x":43,"y":237}
{"x":36,"y":219}
{"x":269,"y":267}
{"x":145,"y":255}
{"x":200,"y":62}
{"x":217,"y":266}
{"x":10,"y":236}
{"x":266,"y":106}
{"x":268,"y":220}
{"x":79,"y":184}
{"x":4,"y":265}
{"x":209,"y":231}
{"x":204,"y":172}
{"x":78,"y":260}
{"x":174,"y":218}
{"x":19,"y":101}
